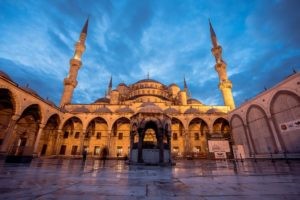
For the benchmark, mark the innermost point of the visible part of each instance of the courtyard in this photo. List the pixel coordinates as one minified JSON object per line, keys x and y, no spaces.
{"x":47,"y":178}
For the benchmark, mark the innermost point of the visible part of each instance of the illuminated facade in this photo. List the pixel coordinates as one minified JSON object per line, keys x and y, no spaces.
{"x":130,"y":118}
{"x":269,"y":123}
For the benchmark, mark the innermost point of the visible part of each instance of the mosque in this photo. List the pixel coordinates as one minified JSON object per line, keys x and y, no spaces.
{"x":148,"y":121}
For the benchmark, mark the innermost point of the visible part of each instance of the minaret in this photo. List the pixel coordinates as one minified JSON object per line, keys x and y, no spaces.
{"x":185,"y":88}
{"x":109,"y":87}
{"x":225,"y":84}
{"x":184,"y":84}
{"x":70,"y":82}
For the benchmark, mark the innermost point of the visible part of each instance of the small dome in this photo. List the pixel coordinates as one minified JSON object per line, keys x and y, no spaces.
{"x":29,"y":90}
{"x":193,"y":101}
{"x":50,"y":102}
{"x":124,"y":110}
{"x":122,"y":84}
{"x":214,"y":111}
{"x":5,"y":75}
{"x":173,"y":85}
{"x":192,"y":111}
{"x":81,"y":109}
{"x":103,"y":110}
{"x":102,"y":100}
{"x":171,"y":111}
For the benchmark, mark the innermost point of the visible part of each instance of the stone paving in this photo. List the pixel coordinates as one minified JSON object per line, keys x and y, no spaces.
{"x":189,"y":179}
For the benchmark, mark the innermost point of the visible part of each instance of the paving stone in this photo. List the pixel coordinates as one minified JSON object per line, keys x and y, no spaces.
{"x":189,"y":179}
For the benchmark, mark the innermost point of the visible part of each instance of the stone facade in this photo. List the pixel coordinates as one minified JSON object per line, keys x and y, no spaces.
{"x":270,"y":122}
{"x":46,"y":129}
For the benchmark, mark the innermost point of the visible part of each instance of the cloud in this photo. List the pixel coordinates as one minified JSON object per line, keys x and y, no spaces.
{"x":40,"y":82}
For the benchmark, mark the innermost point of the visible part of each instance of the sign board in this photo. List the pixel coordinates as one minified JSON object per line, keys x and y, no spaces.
{"x":290,"y":126}
{"x":218,"y":146}
{"x":220,"y":155}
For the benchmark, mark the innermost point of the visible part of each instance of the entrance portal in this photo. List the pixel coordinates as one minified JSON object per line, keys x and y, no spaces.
{"x":150,"y":138}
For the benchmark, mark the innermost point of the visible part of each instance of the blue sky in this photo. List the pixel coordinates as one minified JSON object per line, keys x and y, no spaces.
{"x":167,"y":38}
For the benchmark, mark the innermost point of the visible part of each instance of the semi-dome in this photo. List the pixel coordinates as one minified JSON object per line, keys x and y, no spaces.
{"x":102,"y":100}
{"x":5,"y":75}
{"x":81,"y":109}
{"x":103,"y":110}
{"x":193,"y":101}
{"x":171,"y":111}
{"x":192,"y":111}
{"x":149,"y":107}
{"x":124,"y":110}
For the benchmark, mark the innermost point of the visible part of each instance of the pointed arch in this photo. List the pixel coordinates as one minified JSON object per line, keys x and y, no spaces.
{"x":177,"y":128}
{"x":72,"y":132}
{"x":239,"y":133}
{"x":260,"y":130}
{"x":25,"y":132}
{"x":13,"y":98}
{"x":221,"y":125}
{"x":7,"y":110}
{"x":48,"y":140}
{"x":285,"y":108}
{"x":202,"y":124}
{"x":120,"y":137}
{"x":197,"y":138}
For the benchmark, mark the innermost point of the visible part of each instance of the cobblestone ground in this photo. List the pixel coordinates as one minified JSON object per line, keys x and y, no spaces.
{"x":189,"y":179}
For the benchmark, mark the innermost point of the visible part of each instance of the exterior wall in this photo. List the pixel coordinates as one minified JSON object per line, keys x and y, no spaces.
{"x":259,"y":123}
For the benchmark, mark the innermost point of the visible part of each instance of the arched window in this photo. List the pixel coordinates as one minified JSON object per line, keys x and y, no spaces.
{"x":175,"y":136}
{"x":196,"y":136}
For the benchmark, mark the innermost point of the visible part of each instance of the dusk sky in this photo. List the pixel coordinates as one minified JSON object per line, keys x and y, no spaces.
{"x":169,"y":39}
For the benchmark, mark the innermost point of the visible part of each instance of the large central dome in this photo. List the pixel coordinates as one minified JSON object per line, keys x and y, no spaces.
{"x":147,"y":80}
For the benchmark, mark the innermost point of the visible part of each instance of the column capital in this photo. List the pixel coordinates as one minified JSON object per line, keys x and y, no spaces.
{"x":15,"y":117}
{"x":41,"y":125}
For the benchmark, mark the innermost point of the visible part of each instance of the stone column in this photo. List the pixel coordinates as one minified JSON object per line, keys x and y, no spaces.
{"x":37,"y":140}
{"x":273,"y":130}
{"x":140,"y":147}
{"x":161,"y":147}
{"x":8,"y":133}
{"x":131,"y":145}
{"x":82,"y":138}
{"x":186,"y":141}
{"x":56,"y":144}
{"x":169,"y":143}
{"x":109,"y":141}
{"x":251,"y":139}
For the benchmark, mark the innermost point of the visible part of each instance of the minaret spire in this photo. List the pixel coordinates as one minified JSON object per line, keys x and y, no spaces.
{"x":109,"y":87}
{"x":85,"y":27}
{"x":225,"y":84}
{"x":213,"y":35}
{"x":185,"y":88}
{"x":70,"y":82}
{"x":110,"y":82}
{"x":184,"y":83}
